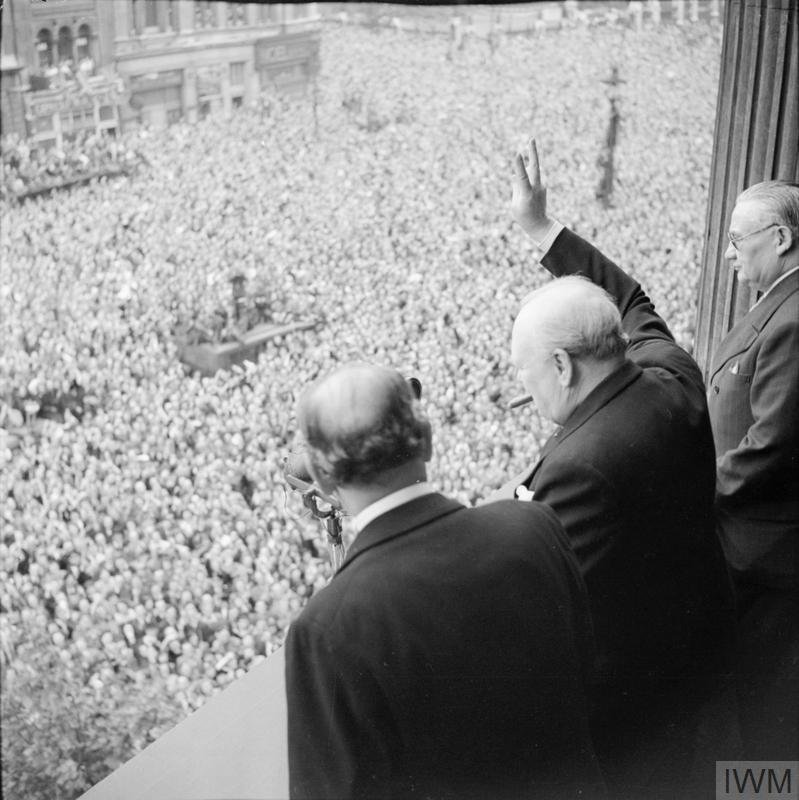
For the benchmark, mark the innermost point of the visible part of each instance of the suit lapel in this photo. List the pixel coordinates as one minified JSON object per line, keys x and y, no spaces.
{"x":599,"y":397}
{"x":400,"y":520}
{"x":740,"y":337}
{"x":738,"y":340}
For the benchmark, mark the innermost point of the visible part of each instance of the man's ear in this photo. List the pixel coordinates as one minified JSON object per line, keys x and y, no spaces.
{"x":564,"y":365}
{"x":785,"y":239}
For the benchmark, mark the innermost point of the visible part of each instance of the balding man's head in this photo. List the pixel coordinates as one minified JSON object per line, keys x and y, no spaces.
{"x":571,"y":313}
{"x":764,"y":233}
{"x":361,"y":421}
{"x":567,"y":336}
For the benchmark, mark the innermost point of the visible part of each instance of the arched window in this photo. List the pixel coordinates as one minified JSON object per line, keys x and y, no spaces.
{"x":44,"y":47}
{"x":65,"y":44}
{"x":84,"y":42}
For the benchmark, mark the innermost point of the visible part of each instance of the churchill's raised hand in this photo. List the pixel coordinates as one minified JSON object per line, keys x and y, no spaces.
{"x":529,"y":199}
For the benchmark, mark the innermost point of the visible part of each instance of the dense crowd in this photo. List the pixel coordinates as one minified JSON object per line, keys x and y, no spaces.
{"x":147,"y":529}
{"x":28,"y":169}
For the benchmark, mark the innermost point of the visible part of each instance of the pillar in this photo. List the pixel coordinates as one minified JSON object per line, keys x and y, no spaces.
{"x":654,"y":10}
{"x":220,"y":9}
{"x":190,"y":94}
{"x":756,"y":139}
{"x":123,"y":19}
{"x":185,"y":13}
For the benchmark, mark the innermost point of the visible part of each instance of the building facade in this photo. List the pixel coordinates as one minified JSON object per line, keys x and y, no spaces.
{"x":73,"y":65}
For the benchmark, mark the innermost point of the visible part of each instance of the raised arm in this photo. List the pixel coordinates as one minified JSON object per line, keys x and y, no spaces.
{"x":569,"y":254}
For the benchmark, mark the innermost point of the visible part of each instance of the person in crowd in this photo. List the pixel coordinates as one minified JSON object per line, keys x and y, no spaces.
{"x":753,"y":396}
{"x":630,"y":473}
{"x":447,"y":656}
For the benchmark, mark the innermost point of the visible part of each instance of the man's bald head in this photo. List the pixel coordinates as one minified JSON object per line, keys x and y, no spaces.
{"x":569,"y":313}
{"x":360,"y":421}
{"x":566,"y":339}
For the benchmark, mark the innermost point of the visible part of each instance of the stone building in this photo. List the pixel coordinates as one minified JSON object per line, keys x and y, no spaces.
{"x":72,"y":65}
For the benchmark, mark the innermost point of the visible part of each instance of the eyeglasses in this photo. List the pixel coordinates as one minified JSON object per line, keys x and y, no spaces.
{"x":736,"y":240}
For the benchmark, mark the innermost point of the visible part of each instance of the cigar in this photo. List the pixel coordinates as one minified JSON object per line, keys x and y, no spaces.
{"x":521,"y":400}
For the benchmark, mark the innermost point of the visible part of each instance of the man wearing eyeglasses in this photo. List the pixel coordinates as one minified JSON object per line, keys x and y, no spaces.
{"x":754,"y":397}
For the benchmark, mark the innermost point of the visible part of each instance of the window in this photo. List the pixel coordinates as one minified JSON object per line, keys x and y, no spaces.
{"x":173,"y":96}
{"x":65,"y":44}
{"x":84,"y":42}
{"x":135,"y":14}
{"x":150,"y":14}
{"x":237,"y":73}
{"x":44,"y":47}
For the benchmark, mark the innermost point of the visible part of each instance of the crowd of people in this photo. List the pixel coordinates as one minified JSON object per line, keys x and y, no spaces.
{"x":28,"y":169}
{"x":148,"y":528}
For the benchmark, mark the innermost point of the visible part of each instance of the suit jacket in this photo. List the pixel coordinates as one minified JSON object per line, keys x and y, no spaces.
{"x":631,"y":475}
{"x":754,"y":403}
{"x":445,"y":659}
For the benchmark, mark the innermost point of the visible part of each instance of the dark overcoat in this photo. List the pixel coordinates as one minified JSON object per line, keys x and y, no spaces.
{"x":631,"y":475}
{"x":754,"y":408}
{"x":445,"y":659}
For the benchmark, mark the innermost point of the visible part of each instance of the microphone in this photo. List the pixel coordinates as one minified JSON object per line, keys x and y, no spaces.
{"x":295,"y":465}
{"x":298,"y":476}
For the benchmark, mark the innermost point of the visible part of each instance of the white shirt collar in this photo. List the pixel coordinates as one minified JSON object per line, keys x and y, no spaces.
{"x":779,"y":280}
{"x":389,"y":502}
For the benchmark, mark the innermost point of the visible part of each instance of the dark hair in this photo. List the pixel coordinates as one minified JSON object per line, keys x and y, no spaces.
{"x":357,"y":447}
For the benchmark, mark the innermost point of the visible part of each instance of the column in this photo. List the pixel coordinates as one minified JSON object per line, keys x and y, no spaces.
{"x":138,"y":17}
{"x":221,"y":14}
{"x":190,"y":95}
{"x":123,"y":19}
{"x":251,"y":88}
{"x":757,"y":129}
{"x":635,"y":9}
{"x":185,"y":15}
{"x":224,"y":86}
{"x":654,"y":10}
{"x":162,"y":12}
